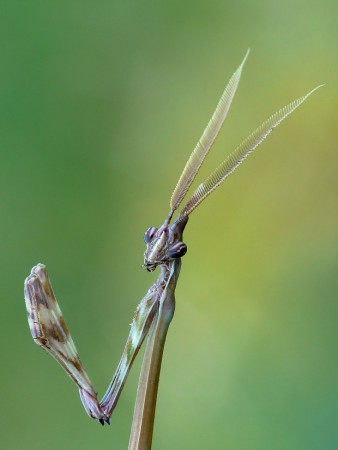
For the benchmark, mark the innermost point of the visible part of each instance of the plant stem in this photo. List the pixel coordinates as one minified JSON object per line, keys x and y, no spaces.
{"x":145,"y":405}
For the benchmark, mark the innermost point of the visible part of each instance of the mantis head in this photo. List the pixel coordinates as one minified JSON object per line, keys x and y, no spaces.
{"x":164,"y":244}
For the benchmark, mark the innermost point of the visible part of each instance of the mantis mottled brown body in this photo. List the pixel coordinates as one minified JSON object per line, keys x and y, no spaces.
{"x":164,"y":248}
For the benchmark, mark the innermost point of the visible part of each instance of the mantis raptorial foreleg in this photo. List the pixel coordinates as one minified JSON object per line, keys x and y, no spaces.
{"x":49,"y":330}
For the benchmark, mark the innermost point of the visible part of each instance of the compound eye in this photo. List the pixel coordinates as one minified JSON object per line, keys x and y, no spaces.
{"x":149,"y":234}
{"x":177,"y":250}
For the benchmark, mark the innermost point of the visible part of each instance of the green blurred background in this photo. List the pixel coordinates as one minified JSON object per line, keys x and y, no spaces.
{"x":101,"y":105}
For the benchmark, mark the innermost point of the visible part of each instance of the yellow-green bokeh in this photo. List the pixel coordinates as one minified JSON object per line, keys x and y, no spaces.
{"x":101,"y":104}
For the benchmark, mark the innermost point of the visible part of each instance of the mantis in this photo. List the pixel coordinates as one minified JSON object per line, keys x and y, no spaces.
{"x":164,"y":248}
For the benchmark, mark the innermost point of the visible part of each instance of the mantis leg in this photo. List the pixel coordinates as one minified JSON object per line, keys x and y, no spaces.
{"x":50,"y":331}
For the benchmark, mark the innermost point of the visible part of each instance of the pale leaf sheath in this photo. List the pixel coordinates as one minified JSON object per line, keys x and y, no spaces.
{"x":208,"y":137}
{"x":49,"y":330}
{"x":235,"y":158}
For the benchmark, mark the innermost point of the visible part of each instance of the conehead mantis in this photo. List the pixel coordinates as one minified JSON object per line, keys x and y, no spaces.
{"x":164,"y":248}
